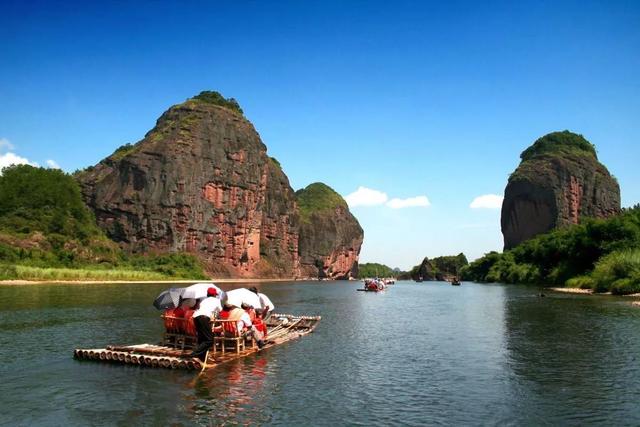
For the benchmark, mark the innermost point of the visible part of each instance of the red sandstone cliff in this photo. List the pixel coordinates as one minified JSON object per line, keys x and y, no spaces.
{"x":558,"y":181}
{"x":330,"y":236}
{"x":200,"y":182}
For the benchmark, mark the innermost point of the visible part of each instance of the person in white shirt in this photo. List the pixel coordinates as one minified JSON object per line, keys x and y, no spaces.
{"x":265,"y":303}
{"x":243,"y":322}
{"x":208,"y":309}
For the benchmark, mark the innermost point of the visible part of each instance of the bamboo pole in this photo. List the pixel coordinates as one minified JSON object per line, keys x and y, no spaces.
{"x":151,"y":351}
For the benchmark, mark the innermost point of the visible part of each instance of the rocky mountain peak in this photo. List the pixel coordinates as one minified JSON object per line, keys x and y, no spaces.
{"x":559,"y":181}
{"x":330,"y":236}
{"x":201,"y":182}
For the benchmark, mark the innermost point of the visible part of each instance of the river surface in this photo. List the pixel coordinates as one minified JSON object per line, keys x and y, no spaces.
{"x":416,"y":354}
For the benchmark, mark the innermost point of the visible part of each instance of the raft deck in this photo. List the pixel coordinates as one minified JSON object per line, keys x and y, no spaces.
{"x":282,"y":328}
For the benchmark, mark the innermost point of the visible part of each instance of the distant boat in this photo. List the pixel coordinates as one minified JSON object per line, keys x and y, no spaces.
{"x":419,"y":279}
{"x":373,"y":285}
{"x":455,"y":282}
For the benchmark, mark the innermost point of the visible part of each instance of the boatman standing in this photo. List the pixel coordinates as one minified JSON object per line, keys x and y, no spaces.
{"x":266,"y":304}
{"x":209,"y":308}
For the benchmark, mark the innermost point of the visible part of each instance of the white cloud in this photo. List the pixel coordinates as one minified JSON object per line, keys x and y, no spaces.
{"x":9,"y":159}
{"x":364,"y":196}
{"x":409,"y":202}
{"x":487,"y":201}
{"x":52,"y":164}
{"x":5,"y":144}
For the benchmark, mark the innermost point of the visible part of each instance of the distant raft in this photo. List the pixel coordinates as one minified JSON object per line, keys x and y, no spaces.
{"x":174,"y":352}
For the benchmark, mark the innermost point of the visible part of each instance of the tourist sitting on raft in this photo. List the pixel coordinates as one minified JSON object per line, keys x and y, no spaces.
{"x":207,"y":310}
{"x":267,"y":306}
{"x":256,"y":320}
{"x":243,"y":324}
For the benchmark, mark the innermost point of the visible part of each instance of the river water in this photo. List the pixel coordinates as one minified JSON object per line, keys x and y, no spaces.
{"x":416,"y":354}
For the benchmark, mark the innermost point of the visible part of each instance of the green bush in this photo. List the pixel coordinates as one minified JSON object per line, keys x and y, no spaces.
{"x":215,"y":98}
{"x":563,"y":253}
{"x":625,"y":286}
{"x":177,"y":265}
{"x":8,"y":272}
{"x":582,"y":282}
{"x":619,"y":270}
{"x":46,"y":200}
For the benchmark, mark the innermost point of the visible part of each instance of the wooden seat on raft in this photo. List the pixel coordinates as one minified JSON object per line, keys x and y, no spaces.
{"x":180,"y":332}
{"x":226,"y":335}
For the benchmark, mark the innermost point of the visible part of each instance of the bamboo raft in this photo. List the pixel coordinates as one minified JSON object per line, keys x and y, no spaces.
{"x":169,"y":355}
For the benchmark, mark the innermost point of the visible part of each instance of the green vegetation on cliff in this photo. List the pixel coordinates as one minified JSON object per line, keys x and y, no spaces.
{"x":373,"y":269}
{"x":546,"y":153}
{"x":215,"y":98}
{"x":47,"y":233}
{"x":439,"y":268}
{"x":317,"y":197}
{"x":601,"y":254}
{"x":122,"y":151}
{"x":559,"y":143}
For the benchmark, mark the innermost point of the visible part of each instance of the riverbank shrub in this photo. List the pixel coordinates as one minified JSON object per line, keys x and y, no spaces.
{"x":22,"y":272}
{"x":593,"y":254}
{"x":618,"y":272}
{"x":581,"y":282}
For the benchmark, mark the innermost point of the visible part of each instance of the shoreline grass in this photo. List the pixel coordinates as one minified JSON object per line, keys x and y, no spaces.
{"x":22,"y":272}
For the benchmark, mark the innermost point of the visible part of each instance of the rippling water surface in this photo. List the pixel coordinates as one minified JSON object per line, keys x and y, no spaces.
{"x":417,"y":354}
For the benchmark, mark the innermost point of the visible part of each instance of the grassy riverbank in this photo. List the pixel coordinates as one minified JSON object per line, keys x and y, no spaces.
{"x":180,"y":282}
{"x":21,"y":272}
{"x":48,"y":234}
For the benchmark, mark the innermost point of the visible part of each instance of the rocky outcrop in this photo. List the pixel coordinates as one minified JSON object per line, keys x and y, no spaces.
{"x":443,"y":268}
{"x":201,"y":182}
{"x":559,"y":181}
{"x":330,"y":236}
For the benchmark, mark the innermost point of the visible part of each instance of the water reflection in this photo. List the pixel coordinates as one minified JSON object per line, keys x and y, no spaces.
{"x":572,"y":358}
{"x":229,"y":393}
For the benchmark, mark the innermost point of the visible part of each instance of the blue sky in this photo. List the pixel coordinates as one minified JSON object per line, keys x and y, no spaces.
{"x":405,"y":98}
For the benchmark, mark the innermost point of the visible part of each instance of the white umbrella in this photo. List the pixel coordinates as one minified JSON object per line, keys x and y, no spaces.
{"x":199,"y":290}
{"x":241,"y":295}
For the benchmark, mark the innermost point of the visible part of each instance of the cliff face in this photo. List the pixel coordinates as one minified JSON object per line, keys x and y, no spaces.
{"x":330,"y":236}
{"x":559,"y":181}
{"x":200,"y":182}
